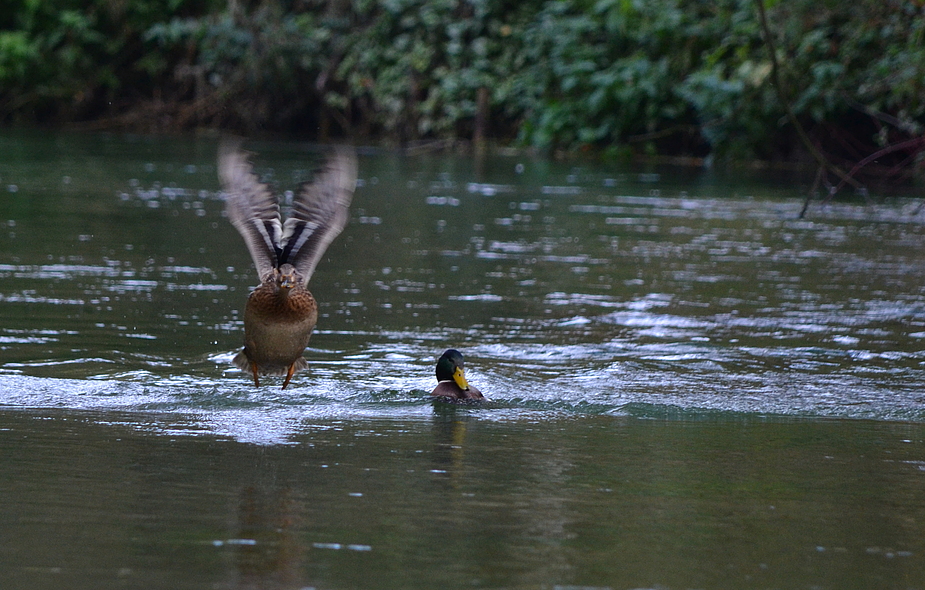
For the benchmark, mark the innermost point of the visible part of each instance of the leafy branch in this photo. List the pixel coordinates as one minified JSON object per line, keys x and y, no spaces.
{"x":824,"y":163}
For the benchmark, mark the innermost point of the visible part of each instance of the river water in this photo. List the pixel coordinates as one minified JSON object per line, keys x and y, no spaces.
{"x":690,"y":387}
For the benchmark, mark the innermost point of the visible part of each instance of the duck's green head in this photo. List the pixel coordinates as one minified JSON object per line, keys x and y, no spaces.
{"x":450,"y":367}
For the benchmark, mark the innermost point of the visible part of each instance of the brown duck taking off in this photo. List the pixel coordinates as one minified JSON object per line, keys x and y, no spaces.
{"x":281,"y":313}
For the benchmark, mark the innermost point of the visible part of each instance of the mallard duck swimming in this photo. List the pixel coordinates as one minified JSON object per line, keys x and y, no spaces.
{"x":281,"y":313}
{"x":451,"y":377}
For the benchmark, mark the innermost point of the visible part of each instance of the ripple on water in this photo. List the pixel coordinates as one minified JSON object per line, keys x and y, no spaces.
{"x":571,"y":296}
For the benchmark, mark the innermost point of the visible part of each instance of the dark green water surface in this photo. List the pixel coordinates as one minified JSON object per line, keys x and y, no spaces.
{"x":690,"y":387}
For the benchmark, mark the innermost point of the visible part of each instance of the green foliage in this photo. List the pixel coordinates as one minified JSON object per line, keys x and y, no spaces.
{"x":415,"y":67}
{"x":623,"y":75}
{"x":221,"y":60}
{"x":65,"y":58}
{"x":606,"y":73}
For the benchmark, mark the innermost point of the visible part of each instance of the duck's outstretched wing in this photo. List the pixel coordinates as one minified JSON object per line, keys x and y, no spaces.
{"x":319,"y":212}
{"x":251,"y":207}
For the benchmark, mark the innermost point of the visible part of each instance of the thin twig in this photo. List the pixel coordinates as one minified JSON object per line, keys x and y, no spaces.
{"x":915,"y":142}
{"x":820,"y":172}
{"x":884,"y":117}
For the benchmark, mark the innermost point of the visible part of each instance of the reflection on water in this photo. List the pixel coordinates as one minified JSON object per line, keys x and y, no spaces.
{"x":669,"y":356}
{"x":454,"y":501}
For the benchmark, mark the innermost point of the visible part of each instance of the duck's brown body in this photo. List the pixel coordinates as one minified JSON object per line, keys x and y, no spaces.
{"x":281,"y":313}
{"x":278,"y":323}
{"x":450,"y":391}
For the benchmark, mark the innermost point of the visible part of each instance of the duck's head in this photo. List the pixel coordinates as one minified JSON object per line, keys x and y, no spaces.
{"x":287,"y":277}
{"x":450,"y":368}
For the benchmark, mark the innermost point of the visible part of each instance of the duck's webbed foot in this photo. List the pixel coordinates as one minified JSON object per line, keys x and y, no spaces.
{"x":289,"y":374}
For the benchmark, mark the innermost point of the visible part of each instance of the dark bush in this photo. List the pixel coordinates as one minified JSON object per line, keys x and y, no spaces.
{"x":660,"y":76}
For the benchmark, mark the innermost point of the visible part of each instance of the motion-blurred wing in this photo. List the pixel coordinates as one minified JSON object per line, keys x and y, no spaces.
{"x":251,"y":206}
{"x":319,"y":212}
